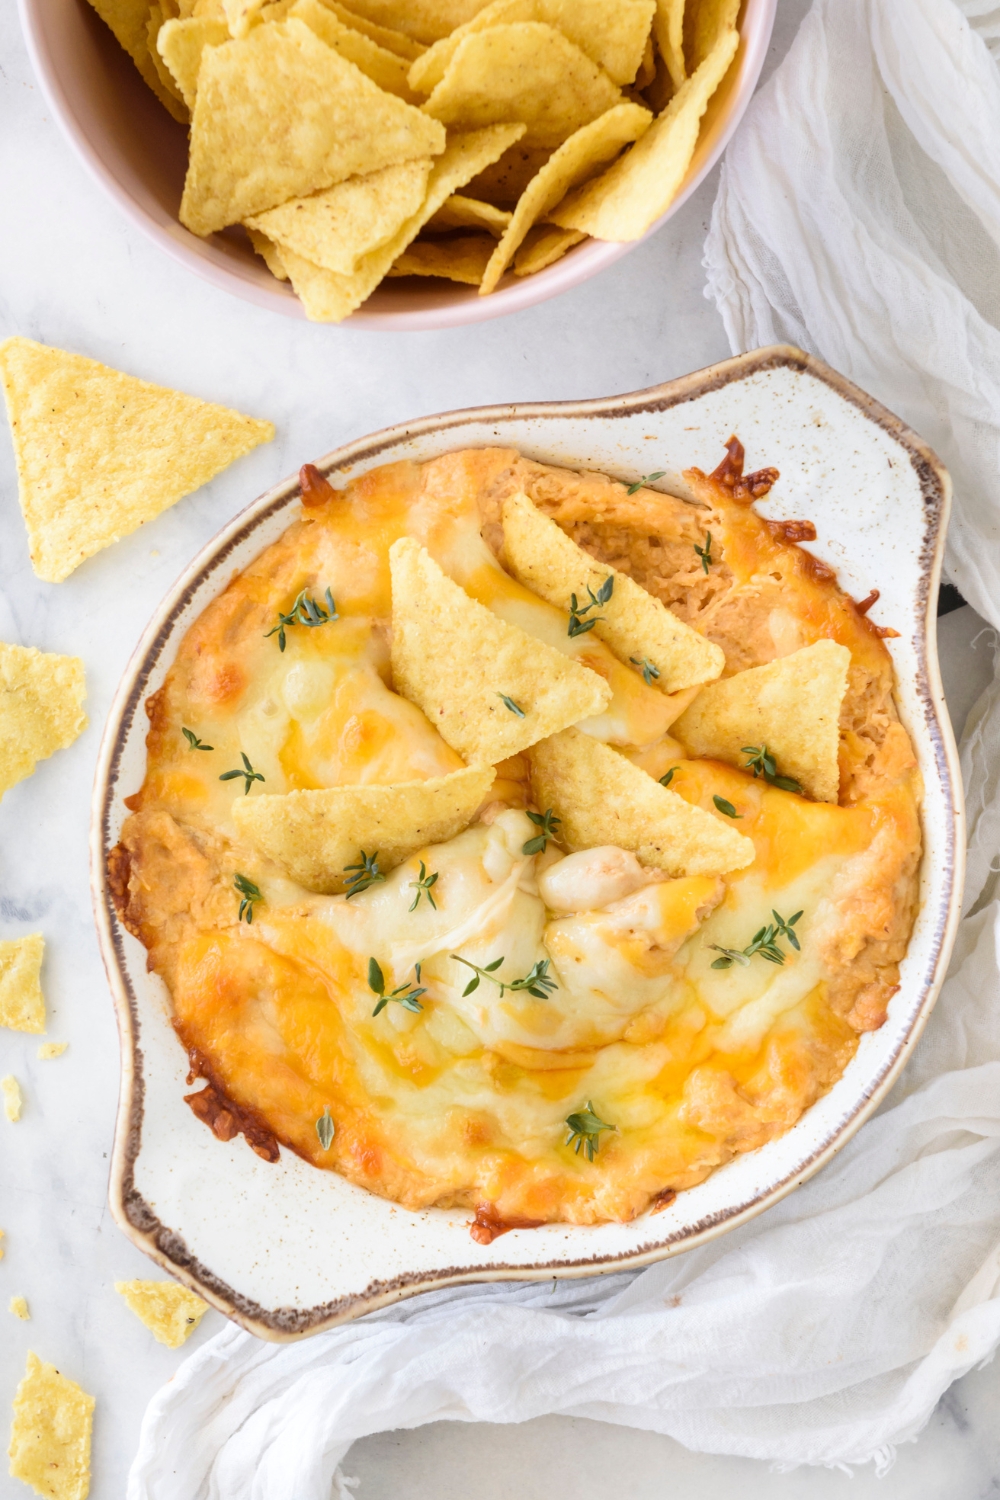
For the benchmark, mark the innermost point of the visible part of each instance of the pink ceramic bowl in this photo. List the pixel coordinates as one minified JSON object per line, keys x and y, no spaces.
{"x":138,"y":154}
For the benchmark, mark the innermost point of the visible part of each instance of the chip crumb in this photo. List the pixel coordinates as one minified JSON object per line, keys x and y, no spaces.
{"x":22,"y":1005}
{"x":50,"y":1435}
{"x":41,"y":706}
{"x":52,"y":1049}
{"x":169,"y":1310}
{"x":12,"y":1097}
{"x":19,"y":1307}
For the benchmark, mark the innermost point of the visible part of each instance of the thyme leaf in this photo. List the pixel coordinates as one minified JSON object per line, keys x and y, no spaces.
{"x":406,"y":995}
{"x":668,"y":778}
{"x":515,"y":708}
{"x":423,"y":887}
{"x":705,"y":553}
{"x":585,"y":1128}
{"x":762,"y":763}
{"x":547,"y":822}
{"x":764,"y":942}
{"x":646,"y":479}
{"x":726,"y":807}
{"x":538,"y":981}
{"x":250,"y":894}
{"x":326,"y":1129}
{"x":649,"y":672}
{"x":194,"y":743}
{"x":305,"y":611}
{"x":366,"y":873}
{"x":248,"y":773}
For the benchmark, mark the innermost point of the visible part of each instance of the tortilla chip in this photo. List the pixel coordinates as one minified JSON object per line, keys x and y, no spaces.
{"x":631,"y":622}
{"x":385,"y":36}
{"x":181,"y":43}
{"x":791,"y":706}
{"x":41,"y":697}
{"x":338,"y":227}
{"x":461,"y":258}
{"x":504,"y":182}
{"x":154,"y":23}
{"x":169,"y":1310}
{"x":424,"y":20}
{"x":668,"y":29}
{"x":602,"y":798}
{"x":50,"y":1435}
{"x":705,"y":23}
{"x":48,"y":1050}
{"x":22,"y":1004}
{"x":129,"y":21}
{"x":314,"y":835}
{"x":543,"y":246}
{"x":459,"y":663}
{"x":528,"y":72}
{"x":647,"y":68}
{"x":280,"y":115}
{"x":19,"y":1307}
{"x":575,"y":160}
{"x":633,"y":193}
{"x":99,"y":452}
{"x":459,"y":212}
{"x":329,"y":297}
{"x":13,"y":1099}
{"x":269,"y":253}
{"x":382,"y":67}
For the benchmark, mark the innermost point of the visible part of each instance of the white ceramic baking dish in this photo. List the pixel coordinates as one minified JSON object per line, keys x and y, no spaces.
{"x":285,"y":1249}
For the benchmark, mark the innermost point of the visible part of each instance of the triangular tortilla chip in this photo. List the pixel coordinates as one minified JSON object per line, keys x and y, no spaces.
{"x":22,"y":1004}
{"x":488,"y":688}
{"x":181,"y":43}
{"x":41,"y":698}
{"x":528,"y":72}
{"x":377,"y":63}
{"x":337,"y":227}
{"x":543,"y":246}
{"x":463,"y":257}
{"x":790,"y":706}
{"x":328,"y":297}
{"x":99,"y":452}
{"x":631,"y":195}
{"x":602,"y":798}
{"x":314,"y":835}
{"x":280,"y":115}
{"x":169,"y":1310}
{"x":50,"y":1434}
{"x":632,"y":622}
{"x":576,"y":160}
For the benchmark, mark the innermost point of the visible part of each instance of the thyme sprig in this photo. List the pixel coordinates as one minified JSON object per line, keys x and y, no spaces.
{"x":705,"y":553}
{"x":764,"y":942}
{"x":248,"y":773}
{"x":577,"y":624}
{"x":515,"y":708}
{"x":250,"y":894}
{"x":366,"y":873}
{"x":585,"y":1128}
{"x":326,"y":1129}
{"x":423,"y":887}
{"x":762,"y":763}
{"x":649,"y":672}
{"x":194,"y":743}
{"x":406,"y":995}
{"x":537,"y":981}
{"x":546,"y":823}
{"x":646,"y":479}
{"x":305,"y":611}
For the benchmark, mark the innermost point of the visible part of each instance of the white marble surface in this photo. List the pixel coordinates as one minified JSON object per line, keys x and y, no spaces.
{"x":72,"y":272}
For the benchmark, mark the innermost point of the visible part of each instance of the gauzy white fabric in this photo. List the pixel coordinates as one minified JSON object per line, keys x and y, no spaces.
{"x":858,"y":216}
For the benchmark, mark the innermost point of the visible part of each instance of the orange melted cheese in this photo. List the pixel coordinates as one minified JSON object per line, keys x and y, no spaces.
{"x":465,"y":1101}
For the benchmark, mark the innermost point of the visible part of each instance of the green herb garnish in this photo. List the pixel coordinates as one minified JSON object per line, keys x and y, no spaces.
{"x":764,"y":942}
{"x":546,"y":822}
{"x":248,"y":773}
{"x":325,"y":1129}
{"x":515,"y":708}
{"x":705,"y":553}
{"x":423,"y":887}
{"x":305,"y":611}
{"x":726,"y":807}
{"x":668,"y":778}
{"x":761,"y":763}
{"x":366,"y":873}
{"x":250,"y":894}
{"x":585,"y":1129}
{"x":406,"y":995}
{"x":646,"y":479}
{"x":577,"y":624}
{"x":649,"y":672}
{"x":537,"y":981}
{"x":194,"y":743}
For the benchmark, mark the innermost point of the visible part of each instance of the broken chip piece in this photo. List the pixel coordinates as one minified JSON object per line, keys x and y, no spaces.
{"x":22,"y":1004}
{"x":50,"y":1434}
{"x":41,"y":698}
{"x":13,"y":1099}
{"x":169,"y":1310}
{"x":630,"y":620}
{"x":315,"y":835}
{"x":602,"y":798}
{"x":19,"y":1307}
{"x":489,"y":689}
{"x":791,"y":705}
{"x":99,"y":453}
{"x":49,"y":1050}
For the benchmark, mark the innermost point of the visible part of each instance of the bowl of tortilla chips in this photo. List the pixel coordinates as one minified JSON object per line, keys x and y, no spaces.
{"x":409,"y":164}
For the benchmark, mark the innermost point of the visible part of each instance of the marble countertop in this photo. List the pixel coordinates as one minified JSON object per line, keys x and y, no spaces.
{"x":74,"y":273}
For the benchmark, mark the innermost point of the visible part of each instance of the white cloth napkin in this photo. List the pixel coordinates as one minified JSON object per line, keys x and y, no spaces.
{"x":858,"y":216}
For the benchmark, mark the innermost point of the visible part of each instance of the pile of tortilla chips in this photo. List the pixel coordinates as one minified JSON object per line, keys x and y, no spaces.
{"x":430,"y":138}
